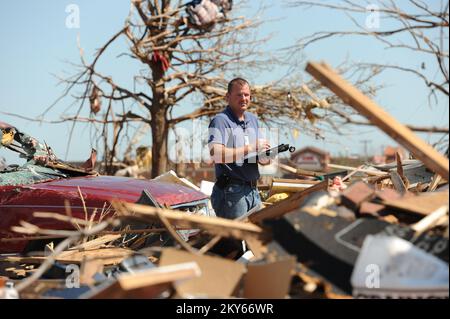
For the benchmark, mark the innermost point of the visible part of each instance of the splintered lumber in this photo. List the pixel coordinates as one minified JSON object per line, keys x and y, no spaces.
{"x":434,"y":183}
{"x":215,"y":226}
{"x":285,"y":206}
{"x":96,"y":243}
{"x":377,"y":116}
{"x":108,"y":256}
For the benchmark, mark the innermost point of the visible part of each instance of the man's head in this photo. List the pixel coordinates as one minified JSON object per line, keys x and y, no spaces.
{"x":238,"y":95}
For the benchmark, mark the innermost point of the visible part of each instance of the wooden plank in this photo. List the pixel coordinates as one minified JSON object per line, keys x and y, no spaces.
{"x":366,"y":171}
{"x":352,"y":173}
{"x":423,"y":204}
{"x":216,"y":226}
{"x":294,"y":181}
{"x":377,"y":116}
{"x":289,"y":204}
{"x":298,"y":171}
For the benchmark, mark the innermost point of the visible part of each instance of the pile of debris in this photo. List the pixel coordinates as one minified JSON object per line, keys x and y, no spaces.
{"x":363,"y":239}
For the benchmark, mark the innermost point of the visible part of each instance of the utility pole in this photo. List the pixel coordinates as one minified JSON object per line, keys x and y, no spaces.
{"x":365,"y":142}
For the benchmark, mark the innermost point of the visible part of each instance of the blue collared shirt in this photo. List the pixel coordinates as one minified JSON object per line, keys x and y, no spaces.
{"x":227,"y":130}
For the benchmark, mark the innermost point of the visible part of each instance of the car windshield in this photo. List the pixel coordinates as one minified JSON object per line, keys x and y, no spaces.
{"x":41,"y":164}
{"x":28,"y":174}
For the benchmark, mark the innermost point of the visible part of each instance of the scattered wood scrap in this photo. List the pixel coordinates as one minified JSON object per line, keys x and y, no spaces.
{"x":215,"y":226}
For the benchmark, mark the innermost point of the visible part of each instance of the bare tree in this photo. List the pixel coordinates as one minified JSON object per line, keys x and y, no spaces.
{"x":177,"y":58}
{"x":413,"y":25}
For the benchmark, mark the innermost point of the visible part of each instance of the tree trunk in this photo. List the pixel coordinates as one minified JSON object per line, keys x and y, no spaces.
{"x":160,"y":130}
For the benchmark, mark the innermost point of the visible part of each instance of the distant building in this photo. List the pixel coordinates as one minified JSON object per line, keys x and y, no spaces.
{"x":389,"y":156}
{"x":390,"y":151}
{"x":311,"y":158}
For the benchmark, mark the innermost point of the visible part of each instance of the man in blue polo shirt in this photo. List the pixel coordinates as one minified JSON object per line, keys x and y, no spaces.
{"x":233,"y":134}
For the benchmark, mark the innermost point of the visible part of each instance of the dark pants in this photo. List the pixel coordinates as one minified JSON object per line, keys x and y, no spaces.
{"x":234,"y":200}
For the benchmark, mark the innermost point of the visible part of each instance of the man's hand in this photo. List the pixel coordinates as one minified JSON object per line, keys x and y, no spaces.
{"x":263,"y":145}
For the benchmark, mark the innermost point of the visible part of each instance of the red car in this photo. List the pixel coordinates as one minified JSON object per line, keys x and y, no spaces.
{"x":45,"y":184}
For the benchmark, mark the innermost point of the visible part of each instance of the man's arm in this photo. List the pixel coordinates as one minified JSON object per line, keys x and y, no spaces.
{"x":221,"y":154}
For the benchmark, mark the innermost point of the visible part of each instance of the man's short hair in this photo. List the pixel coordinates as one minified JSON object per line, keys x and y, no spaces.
{"x":239,"y":81}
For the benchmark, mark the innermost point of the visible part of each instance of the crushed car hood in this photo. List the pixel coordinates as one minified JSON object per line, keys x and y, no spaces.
{"x":123,"y":188}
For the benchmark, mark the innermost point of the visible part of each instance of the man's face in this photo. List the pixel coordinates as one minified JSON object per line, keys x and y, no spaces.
{"x":239,"y":98}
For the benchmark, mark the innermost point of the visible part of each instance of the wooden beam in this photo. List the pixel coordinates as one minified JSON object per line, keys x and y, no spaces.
{"x":280,"y":185}
{"x":366,"y":171}
{"x":289,"y":204}
{"x":215,"y":226}
{"x":298,"y":171}
{"x":432,"y":159}
{"x":422,"y":204}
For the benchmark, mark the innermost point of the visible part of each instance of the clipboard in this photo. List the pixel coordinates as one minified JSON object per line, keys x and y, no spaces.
{"x":268,"y":154}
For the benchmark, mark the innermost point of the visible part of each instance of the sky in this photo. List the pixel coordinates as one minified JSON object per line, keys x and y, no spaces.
{"x":37,"y":45}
